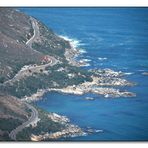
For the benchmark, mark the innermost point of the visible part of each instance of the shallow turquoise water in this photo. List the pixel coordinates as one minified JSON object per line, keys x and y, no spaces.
{"x":120,"y":36}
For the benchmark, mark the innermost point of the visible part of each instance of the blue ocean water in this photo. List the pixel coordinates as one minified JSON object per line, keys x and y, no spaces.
{"x":115,"y":38}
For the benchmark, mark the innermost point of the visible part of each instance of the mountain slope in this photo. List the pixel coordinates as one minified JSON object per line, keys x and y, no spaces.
{"x":30,"y":58}
{"x":16,"y":30}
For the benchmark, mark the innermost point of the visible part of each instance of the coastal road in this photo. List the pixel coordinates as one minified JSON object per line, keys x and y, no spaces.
{"x":36,"y":32}
{"x":34,"y":69}
{"x":25,"y":72}
{"x":32,"y":120}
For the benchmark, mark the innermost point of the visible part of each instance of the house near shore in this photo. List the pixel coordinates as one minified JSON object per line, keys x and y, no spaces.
{"x":45,"y":59}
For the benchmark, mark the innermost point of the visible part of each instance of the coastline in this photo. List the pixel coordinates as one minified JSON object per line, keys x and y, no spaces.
{"x":96,"y":86}
{"x":91,"y":97}
{"x":69,"y":130}
{"x":72,"y":53}
{"x":87,"y":87}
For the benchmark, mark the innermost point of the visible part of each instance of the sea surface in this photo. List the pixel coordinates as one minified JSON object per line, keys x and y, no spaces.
{"x":115,"y":38}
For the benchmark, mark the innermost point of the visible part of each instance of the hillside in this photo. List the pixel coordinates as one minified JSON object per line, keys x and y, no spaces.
{"x":12,"y":113}
{"x":16,"y":30}
{"x":31,"y":58}
{"x":26,"y":41}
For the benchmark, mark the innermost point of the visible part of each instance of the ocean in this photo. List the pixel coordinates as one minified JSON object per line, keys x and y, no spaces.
{"x":115,"y":38}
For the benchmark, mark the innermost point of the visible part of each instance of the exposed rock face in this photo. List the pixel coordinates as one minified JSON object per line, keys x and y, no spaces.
{"x":57,"y":118}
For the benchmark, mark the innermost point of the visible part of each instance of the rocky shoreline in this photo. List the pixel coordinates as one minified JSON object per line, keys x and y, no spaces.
{"x":95,"y":88}
{"x":72,"y":53}
{"x":103,"y":81}
{"x":101,"y":84}
{"x":70,"y":130}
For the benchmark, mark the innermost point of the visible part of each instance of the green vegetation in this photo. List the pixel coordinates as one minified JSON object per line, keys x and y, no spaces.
{"x":30,"y":85}
{"x":15,"y":65}
{"x":5,"y":137}
{"x":51,"y":44}
{"x":2,"y":79}
{"x":16,"y":54}
{"x":9,"y":124}
{"x":44,"y":125}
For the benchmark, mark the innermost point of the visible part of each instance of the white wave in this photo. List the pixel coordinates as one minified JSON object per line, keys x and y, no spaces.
{"x":98,"y":131}
{"x":86,"y":60}
{"x":74,"y":42}
{"x":82,"y":51}
{"x":75,"y":45}
{"x":128,"y":73}
{"x":102,"y":59}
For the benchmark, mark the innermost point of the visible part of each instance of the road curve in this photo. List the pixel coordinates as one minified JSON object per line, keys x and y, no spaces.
{"x":32,"y":119}
{"x":36,"y":32}
{"x":34,"y":114}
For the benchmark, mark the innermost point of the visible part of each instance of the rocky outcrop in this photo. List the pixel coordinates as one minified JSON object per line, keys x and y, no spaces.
{"x":96,"y":87}
{"x":57,"y":118}
{"x":69,"y":130}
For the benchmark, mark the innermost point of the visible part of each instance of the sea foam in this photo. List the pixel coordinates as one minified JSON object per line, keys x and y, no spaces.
{"x":102,"y":59}
{"x":128,"y":73}
{"x":75,"y":43}
{"x":86,"y":60}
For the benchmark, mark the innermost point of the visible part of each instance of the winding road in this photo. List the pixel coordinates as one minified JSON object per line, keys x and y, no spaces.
{"x":25,"y":72}
{"x":36,"y":33}
{"x":32,"y":120}
{"x":34,"y":69}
